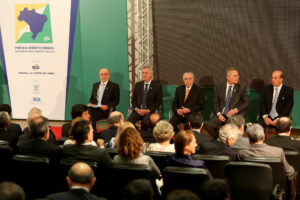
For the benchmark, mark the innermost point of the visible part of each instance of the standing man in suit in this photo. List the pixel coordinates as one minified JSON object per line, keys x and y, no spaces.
{"x":188,"y":98}
{"x":146,"y":98}
{"x":277,"y":101}
{"x":80,"y":181}
{"x":104,"y":98}
{"x":230,"y":99}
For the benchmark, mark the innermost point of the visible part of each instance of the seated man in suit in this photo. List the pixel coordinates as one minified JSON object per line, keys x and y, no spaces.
{"x":228,"y":135}
{"x":39,"y":146}
{"x":242,"y":142}
{"x":147,"y":135}
{"x":283,"y":138}
{"x":146,"y":98}
{"x":78,"y":110}
{"x":5,"y":134}
{"x":115,"y":119}
{"x":230,"y":98}
{"x":195,"y":123}
{"x":104,"y":98}
{"x":188,"y":98}
{"x":277,"y":101}
{"x":260,"y":149}
{"x":13,"y":127}
{"x":80,"y":181}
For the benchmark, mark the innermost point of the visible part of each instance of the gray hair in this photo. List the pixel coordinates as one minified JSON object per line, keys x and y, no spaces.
{"x":163,"y":131}
{"x":33,"y":113}
{"x":115,"y":117}
{"x":4,"y":119}
{"x":188,"y":73}
{"x":229,"y":70}
{"x":148,"y":67}
{"x":39,"y":126}
{"x":227,"y":131}
{"x":237,"y":120}
{"x":255,"y":133}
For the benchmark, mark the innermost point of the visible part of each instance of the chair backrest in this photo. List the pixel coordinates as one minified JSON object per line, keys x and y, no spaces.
{"x":184,"y":178}
{"x":277,"y":169}
{"x":6,"y":153}
{"x":215,"y":163}
{"x":159,"y":158}
{"x":293,"y":158}
{"x":249,"y":180}
{"x":112,"y":152}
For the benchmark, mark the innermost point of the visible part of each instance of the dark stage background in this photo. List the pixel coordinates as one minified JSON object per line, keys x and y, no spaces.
{"x":208,"y":36}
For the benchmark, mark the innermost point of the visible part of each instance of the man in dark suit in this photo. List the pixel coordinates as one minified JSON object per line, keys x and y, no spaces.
{"x":230,"y":98}
{"x":146,"y":98}
{"x":39,"y":146}
{"x":147,"y":135}
{"x":283,"y":138}
{"x":5,"y":134}
{"x":188,"y":98}
{"x":80,"y":180}
{"x":104,"y":98}
{"x":277,"y":101}
{"x":13,"y":127}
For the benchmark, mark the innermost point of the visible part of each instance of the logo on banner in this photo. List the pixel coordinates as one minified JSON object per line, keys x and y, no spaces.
{"x":36,"y":89}
{"x":33,"y":23}
{"x":35,"y":67}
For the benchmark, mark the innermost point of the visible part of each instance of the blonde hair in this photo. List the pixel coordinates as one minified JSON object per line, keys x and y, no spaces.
{"x":163,"y":131}
{"x":121,"y":129}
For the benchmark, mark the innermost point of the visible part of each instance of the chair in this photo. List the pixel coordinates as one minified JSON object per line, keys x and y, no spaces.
{"x":112,"y":152}
{"x":249,"y":180}
{"x":293,"y":158}
{"x":6,"y":153}
{"x":184,"y":178}
{"x":159,"y":158}
{"x":215,"y":163}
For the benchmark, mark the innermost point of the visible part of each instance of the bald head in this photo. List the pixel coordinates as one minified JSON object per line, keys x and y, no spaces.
{"x":284,"y":125}
{"x":81,"y":174}
{"x":115,"y":118}
{"x":104,"y":74}
{"x":154,"y":118}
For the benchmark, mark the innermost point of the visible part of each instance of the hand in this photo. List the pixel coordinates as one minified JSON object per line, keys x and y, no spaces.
{"x":248,"y":124}
{"x":100,"y":143}
{"x":89,"y":104}
{"x":139,"y":111}
{"x":104,"y":107}
{"x":145,"y":111}
{"x":186,"y":110}
{"x":221,"y":118}
{"x":231,"y":112}
{"x":268,"y":121}
{"x":273,"y":123}
{"x":179,"y":112}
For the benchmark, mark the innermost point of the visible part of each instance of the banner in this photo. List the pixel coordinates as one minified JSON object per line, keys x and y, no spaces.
{"x":36,"y":43}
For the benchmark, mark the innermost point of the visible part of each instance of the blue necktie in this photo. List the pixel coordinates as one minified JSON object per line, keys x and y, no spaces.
{"x":227,"y":103}
{"x":100,"y":93}
{"x":273,"y":112}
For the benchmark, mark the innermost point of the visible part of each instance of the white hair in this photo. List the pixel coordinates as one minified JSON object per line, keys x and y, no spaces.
{"x":255,"y":133}
{"x":227,"y":131}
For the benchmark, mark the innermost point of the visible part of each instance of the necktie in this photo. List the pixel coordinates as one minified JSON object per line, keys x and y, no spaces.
{"x":144,"y":98}
{"x":273,"y":112}
{"x":186,"y":94}
{"x":100,"y":93}
{"x":227,"y":103}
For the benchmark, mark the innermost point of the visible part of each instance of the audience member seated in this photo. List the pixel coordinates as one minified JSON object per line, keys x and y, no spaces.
{"x":163,"y":133}
{"x":147,"y":135}
{"x":260,"y":149}
{"x":26,"y":136}
{"x":130,"y":148}
{"x":13,"y":127}
{"x":115,"y":119}
{"x":182,"y":195}
{"x":11,"y":191}
{"x":82,"y":150}
{"x":241,"y":142}
{"x":195,"y":122}
{"x":10,"y":137}
{"x":138,"y":189}
{"x":228,"y":135}
{"x":215,"y":189}
{"x":122,"y":127}
{"x":283,"y":138}
{"x":80,"y":181}
{"x":78,"y":111}
{"x":39,"y":146}
{"x":185,"y":146}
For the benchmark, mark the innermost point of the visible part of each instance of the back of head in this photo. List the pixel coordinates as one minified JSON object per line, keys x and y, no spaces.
{"x":154,"y":119}
{"x":81,"y":173}
{"x":130,"y":144}
{"x":121,"y":129}
{"x":182,"y":194}
{"x":182,"y":139}
{"x":237,"y":120}
{"x":195,"y":119}
{"x":77,"y":110}
{"x":80,"y":130}
{"x":215,"y":189}
{"x":4,"y":119}
{"x":139,"y":189}
{"x":283,"y":125}
{"x":11,"y":191}
{"x":255,"y":133}
{"x":6,"y":108}
{"x":33,"y":113}
{"x":228,"y":131}
{"x":115,"y":117}
{"x":163,"y":131}
{"x":39,"y":126}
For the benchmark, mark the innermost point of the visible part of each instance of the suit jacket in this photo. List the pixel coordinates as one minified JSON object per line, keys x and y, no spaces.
{"x":201,"y":138}
{"x":154,"y":96}
{"x":194,"y":101}
{"x":86,"y":153}
{"x":107,"y":134}
{"x":285,"y":101}
{"x":242,"y":143}
{"x":73,"y":194}
{"x":15,"y":128}
{"x":183,"y":160}
{"x":26,"y":136}
{"x":148,"y":136}
{"x":264,"y":150}
{"x":65,"y":129}
{"x":285,"y":142}
{"x":10,"y":137}
{"x":111,"y":95}
{"x":239,"y":99}
{"x":217,"y":148}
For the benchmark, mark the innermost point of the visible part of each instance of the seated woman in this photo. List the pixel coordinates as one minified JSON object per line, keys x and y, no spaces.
{"x":130,"y":148}
{"x":185,"y":144}
{"x":82,"y":132}
{"x":122,"y":127}
{"x":163,"y":133}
